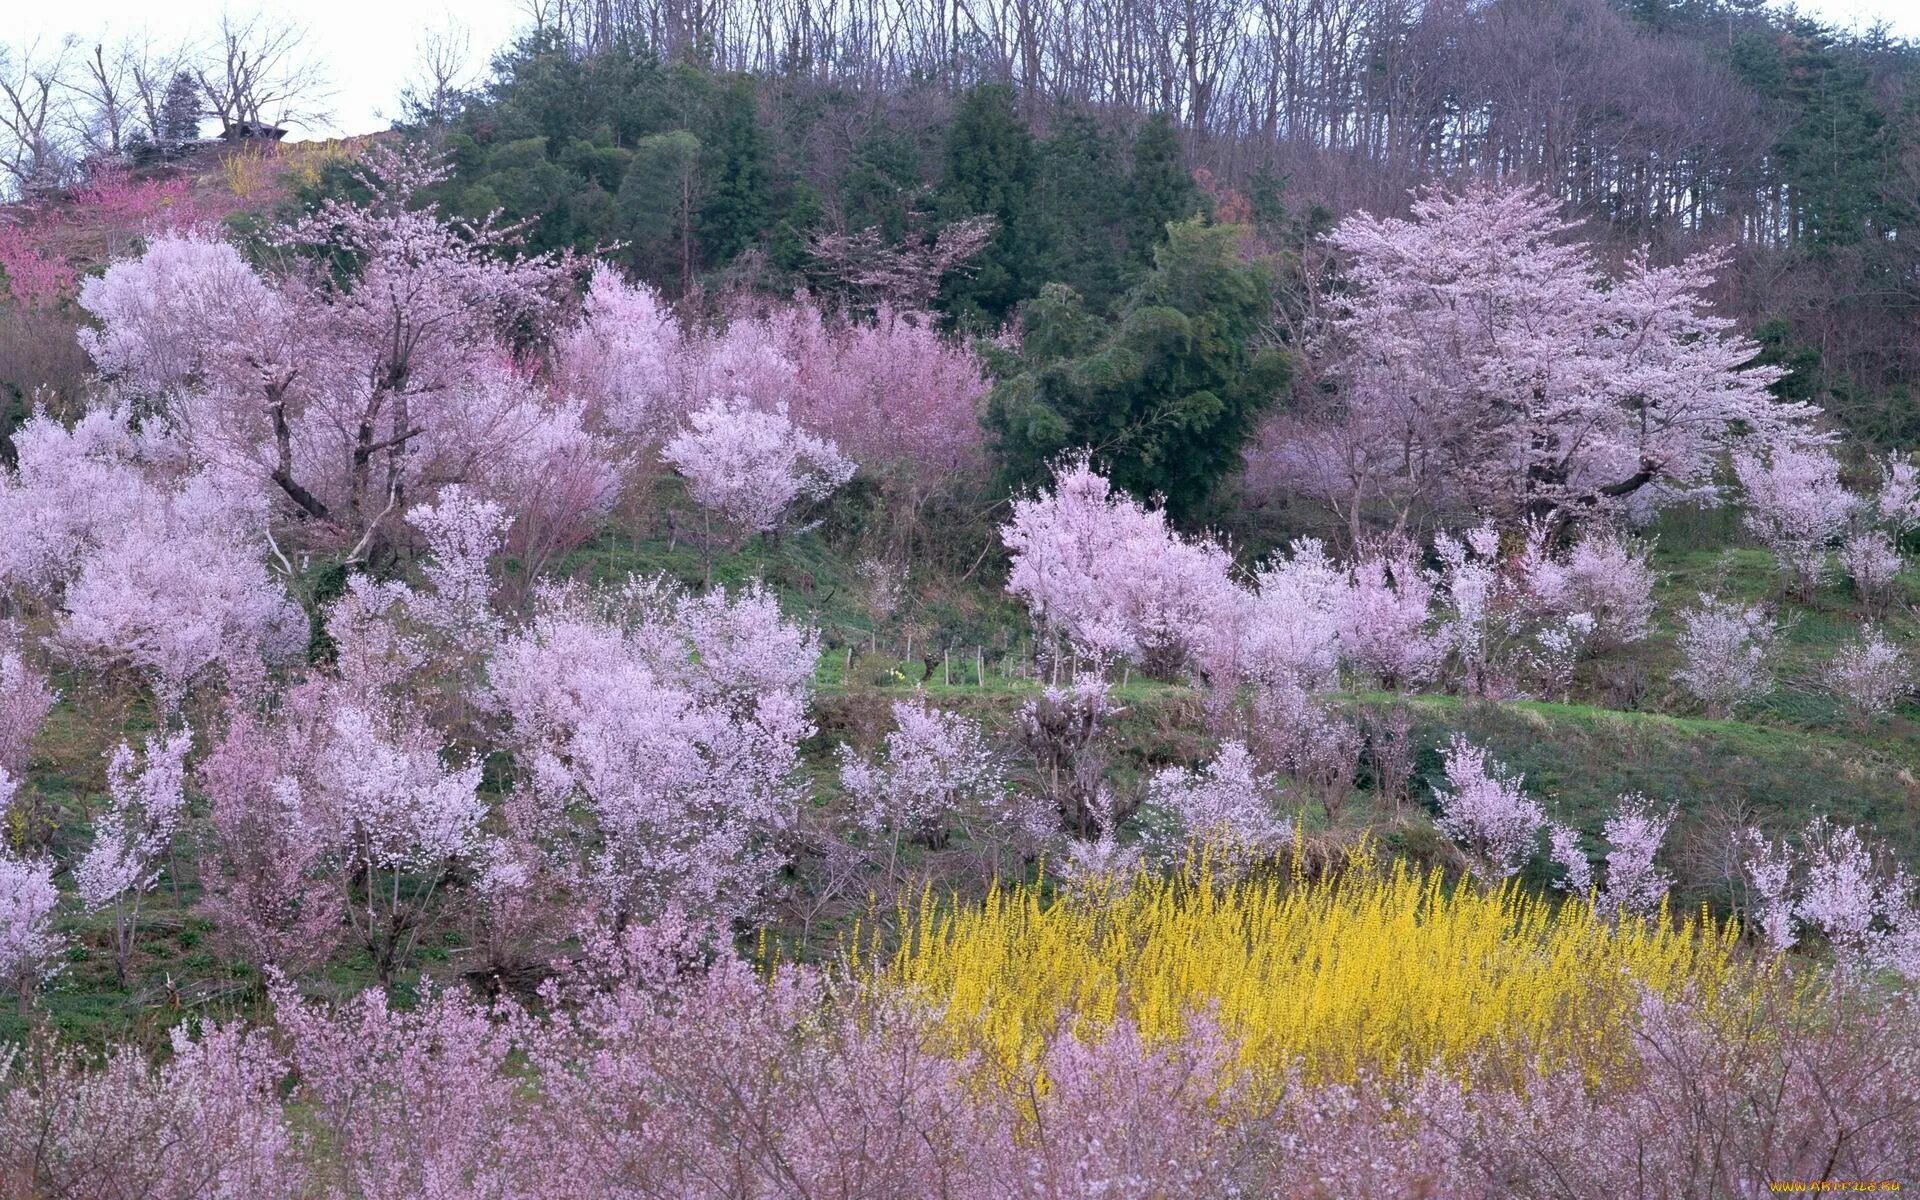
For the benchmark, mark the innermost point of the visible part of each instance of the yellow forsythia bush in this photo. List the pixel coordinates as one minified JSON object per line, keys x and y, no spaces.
{"x":1371,"y":969}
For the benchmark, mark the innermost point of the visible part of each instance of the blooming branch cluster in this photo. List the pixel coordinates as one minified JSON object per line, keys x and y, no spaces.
{"x":1485,"y":809}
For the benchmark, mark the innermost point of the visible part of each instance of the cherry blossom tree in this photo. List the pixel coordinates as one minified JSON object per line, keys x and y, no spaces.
{"x":25,"y":700}
{"x":269,"y":877}
{"x":1290,"y":636}
{"x":1634,"y":832}
{"x":658,"y":734}
{"x":1482,"y":358}
{"x":1309,"y":740}
{"x":179,"y":592}
{"x":29,"y":948}
{"x":1872,"y":562}
{"x":935,"y":769}
{"x":1225,"y":809}
{"x":1485,"y":809}
{"x":1869,"y":674}
{"x":1060,"y":735}
{"x":1727,"y":647}
{"x":1108,"y":576}
{"x":1386,"y":627}
{"x":170,"y":319}
{"x":624,"y":359}
{"x":463,"y":533}
{"x":752,"y":465}
{"x":1897,"y":503}
{"x":1796,"y":507}
{"x":402,"y":817}
{"x":375,"y":364}
{"x":132,"y":838}
{"x":1840,"y":882}
{"x":1603,"y":575}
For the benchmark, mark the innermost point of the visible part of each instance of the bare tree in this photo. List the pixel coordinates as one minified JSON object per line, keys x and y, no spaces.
{"x":443,"y":76}
{"x":261,"y":78}
{"x":102,"y":109}
{"x":33,"y":84}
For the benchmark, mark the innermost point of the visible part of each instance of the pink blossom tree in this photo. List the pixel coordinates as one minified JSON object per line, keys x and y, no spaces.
{"x":463,"y":534}
{"x":1386,"y":627}
{"x":1728,"y":649}
{"x":751,"y":466}
{"x":624,"y":358}
{"x":935,"y":770}
{"x":134,"y":836}
{"x":1106,"y":575}
{"x":1839,"y":882}
{"x":148,"y":569}
{"x":1225,"y":810}
{"x":25,"y":700}
{"x":269,"y":879}
{"x":1487,"y":361}
{"x":1897,"y":503}
{"x":1872,"y":562}
{"x":402,"y":817}
{"x":659,"y":735}
{"x":34,"y":278}
{"x":343,"y":392}
{"x":1634,"y":831}
{"x":1308,"y":740}
{"x":1796,"y":506}
{"x":29,"y":948}
{"x":1486,"y":811}
{"x":181,"y":593}
{"x":169,"y":319}
{"x":1869,"y":674}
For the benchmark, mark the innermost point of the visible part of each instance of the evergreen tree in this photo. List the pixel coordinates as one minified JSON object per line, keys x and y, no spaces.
{"x":1078,"y":212}
{"x":1159,"y":189}
{"x":180,"y":113}
{"x":737,"y":176}
{"x":990,"y":172}
{"x":659,"y":203}
{"x":1166,"y":396}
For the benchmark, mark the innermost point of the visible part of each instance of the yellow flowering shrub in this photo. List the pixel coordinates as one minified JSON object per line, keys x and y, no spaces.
{"x":1369,"y":969}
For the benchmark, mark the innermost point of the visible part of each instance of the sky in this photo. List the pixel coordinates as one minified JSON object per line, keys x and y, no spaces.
{"x":368,"y":49}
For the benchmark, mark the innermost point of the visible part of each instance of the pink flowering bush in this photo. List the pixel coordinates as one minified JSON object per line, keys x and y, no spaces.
{"x":1796,"y":507}
{"x":623,"y":359}
{"x":1728,"y":650}
{"x":751,"y":466}
{"x":1107,"y":576}
{"x":268,"y":875}
{"x":1485,"y":810}
{"x":1840,"y":883}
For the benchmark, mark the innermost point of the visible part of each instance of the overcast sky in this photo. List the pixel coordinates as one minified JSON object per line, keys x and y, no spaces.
{"x":368,"y":48}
